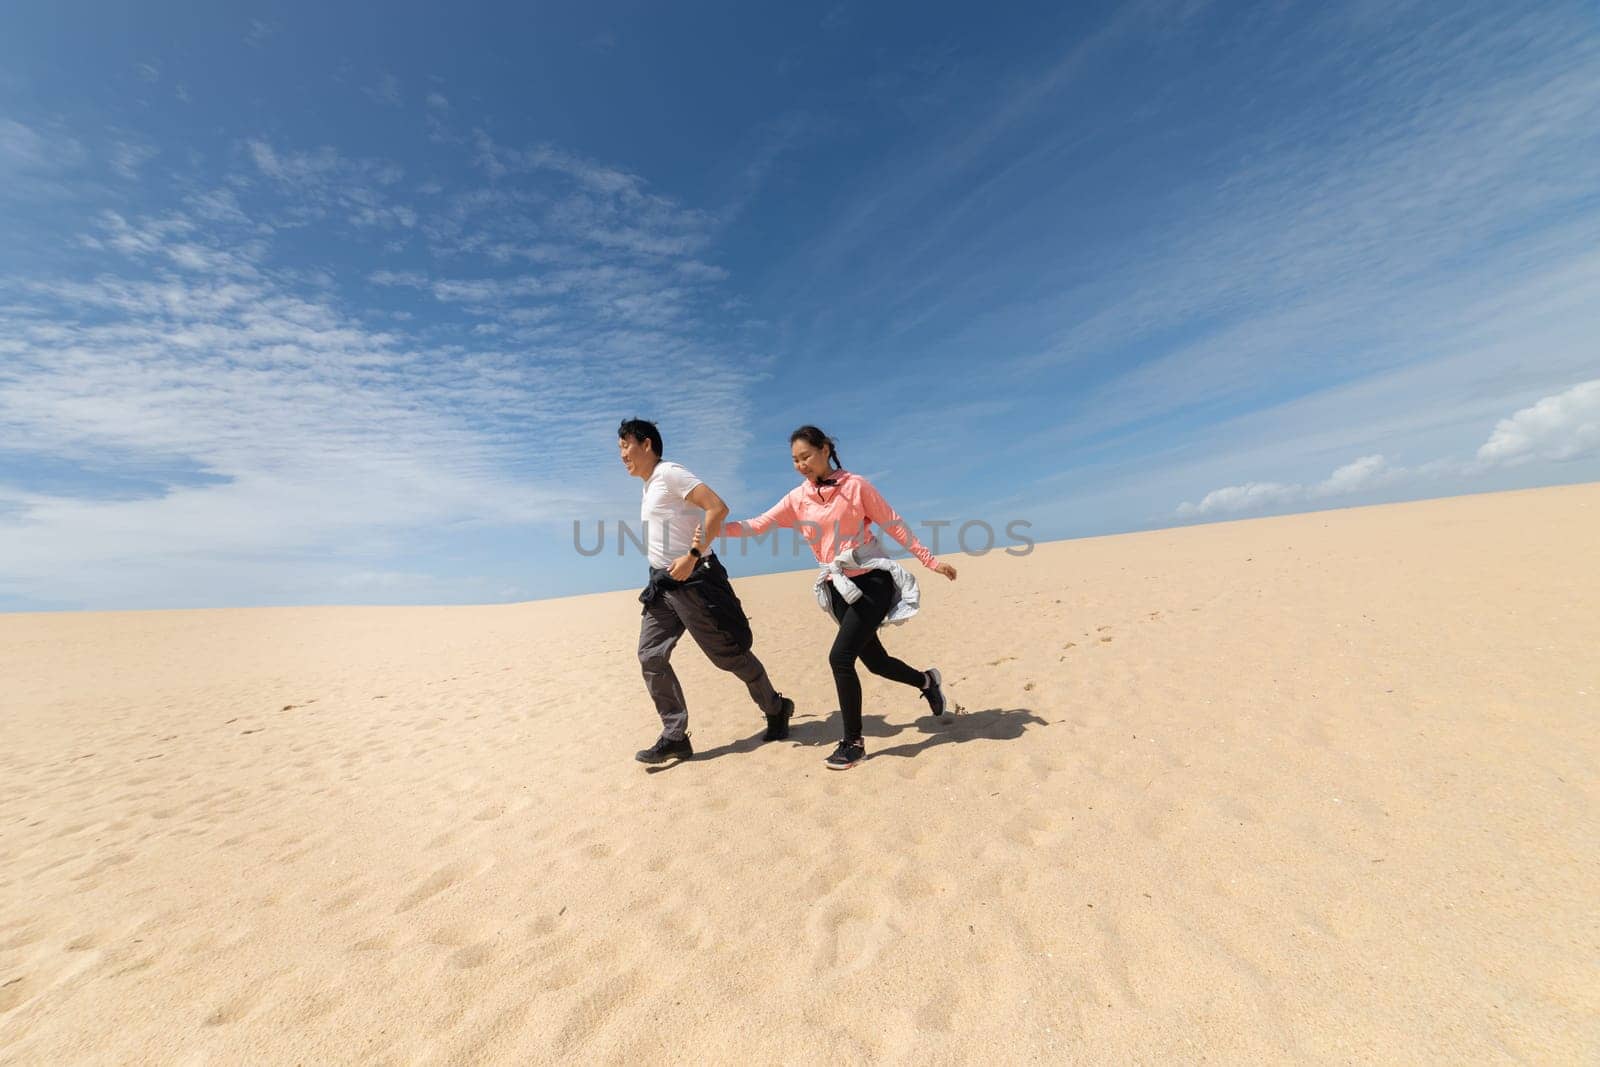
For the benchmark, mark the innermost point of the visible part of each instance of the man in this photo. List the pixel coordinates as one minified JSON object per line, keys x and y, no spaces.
{"x":688,"y":590}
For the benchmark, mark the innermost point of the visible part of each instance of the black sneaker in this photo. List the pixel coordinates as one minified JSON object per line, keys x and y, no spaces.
{"x":778,"y":725}
{"x":664,"y":750}
{"x":933,"y":692}
{"x":847,"y":755}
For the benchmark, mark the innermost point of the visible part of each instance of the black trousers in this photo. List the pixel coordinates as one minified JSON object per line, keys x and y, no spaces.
{"x":858,"y":639}
{"x":706,"y":606}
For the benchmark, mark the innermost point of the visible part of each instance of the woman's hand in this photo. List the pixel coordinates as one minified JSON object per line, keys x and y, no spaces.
{"x":946,"y":570}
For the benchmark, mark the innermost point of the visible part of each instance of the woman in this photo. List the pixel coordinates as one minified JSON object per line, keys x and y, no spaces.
{"x":835,"y":510}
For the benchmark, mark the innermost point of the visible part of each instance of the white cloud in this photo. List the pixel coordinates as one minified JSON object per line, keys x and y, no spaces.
{"x":436,"y":120}
{"x":278,"y":445}
{"x":173,"y":237}
{"x":313,"y":435}
{"x":386,"y":92}
{"x":128,"y":157}
{"x":25,"y":150}
{"x":605,"y":207}
{"x":303,"y":168}
{"x":1366,"y":473}
{"x":260,"y":32}
{"x":1559,"y":427}
{"x":1251,"y":496}
{"x":325,"y":181}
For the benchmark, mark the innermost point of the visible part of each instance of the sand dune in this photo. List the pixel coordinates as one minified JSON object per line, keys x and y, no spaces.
{"x":1319,"y":788}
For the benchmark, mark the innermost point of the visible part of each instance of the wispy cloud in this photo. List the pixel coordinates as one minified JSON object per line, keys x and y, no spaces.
{"x":437,"y":118}
{"x":1392,"y":236}
{"x":314,"y":434}
{"x":604,"y":206}
{"x":260,"y":31}
{"x":127,"y":157}
{"x":386,"y":92}
{"x":242,"y":432}
{"x":26,"y":150}
{"x":323,"y":181}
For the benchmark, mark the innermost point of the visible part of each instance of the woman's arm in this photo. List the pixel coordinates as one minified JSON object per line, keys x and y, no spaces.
{"x":780,"y":514}
{"x":889,"y":521}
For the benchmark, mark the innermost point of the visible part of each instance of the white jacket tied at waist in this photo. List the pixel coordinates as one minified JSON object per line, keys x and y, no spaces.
{"x":868,"y":556}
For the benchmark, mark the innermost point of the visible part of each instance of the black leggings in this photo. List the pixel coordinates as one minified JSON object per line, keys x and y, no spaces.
{"x":858,"y":639}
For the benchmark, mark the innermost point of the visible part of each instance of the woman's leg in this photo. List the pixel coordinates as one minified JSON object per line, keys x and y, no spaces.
{"x":876,"y":658}
{"x":858,"y":624}
{"x":878,"y":587}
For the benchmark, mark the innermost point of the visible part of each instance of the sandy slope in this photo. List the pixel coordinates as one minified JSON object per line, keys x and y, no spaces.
{"x":1319,"y":787}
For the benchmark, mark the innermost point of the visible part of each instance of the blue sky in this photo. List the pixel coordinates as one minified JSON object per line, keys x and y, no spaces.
{"x":342,"y":303}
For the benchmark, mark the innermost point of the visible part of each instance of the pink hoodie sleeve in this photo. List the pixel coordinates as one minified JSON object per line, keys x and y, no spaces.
{"x":780,"y":514}
{"x":889,"y":521}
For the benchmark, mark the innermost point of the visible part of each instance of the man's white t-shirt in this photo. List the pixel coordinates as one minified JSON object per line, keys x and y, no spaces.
{"x":669,"y":520}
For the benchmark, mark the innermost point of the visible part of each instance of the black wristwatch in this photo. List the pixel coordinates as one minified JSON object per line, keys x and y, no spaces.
{"x":695,"y":552}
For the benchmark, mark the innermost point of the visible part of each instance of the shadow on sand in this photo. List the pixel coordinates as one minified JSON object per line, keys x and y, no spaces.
{"x":991,"y":724}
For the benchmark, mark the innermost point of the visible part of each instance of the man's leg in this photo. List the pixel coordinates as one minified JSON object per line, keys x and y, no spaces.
{"x":659,"y":630}
{"x":723,"y":651}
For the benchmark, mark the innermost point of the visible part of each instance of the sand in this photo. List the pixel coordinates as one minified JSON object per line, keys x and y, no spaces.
{"x":1318,"y":788}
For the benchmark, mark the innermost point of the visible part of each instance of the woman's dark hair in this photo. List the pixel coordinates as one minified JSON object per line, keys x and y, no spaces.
{"x":641,"y":431}
{"x":816,"y":439}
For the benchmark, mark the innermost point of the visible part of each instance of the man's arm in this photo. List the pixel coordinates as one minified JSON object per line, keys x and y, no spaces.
{"x":705,"y":498}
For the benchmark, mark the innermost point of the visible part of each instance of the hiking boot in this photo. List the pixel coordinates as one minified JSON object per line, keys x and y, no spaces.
{"x":664,"y":750}
{"x":847,"y":755}
{"x":933,"y":692}
{"x":778,"y":725}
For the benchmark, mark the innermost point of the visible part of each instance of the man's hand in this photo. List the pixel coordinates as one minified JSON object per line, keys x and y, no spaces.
{"x":946,"y":570}
{"x":681,"y":567}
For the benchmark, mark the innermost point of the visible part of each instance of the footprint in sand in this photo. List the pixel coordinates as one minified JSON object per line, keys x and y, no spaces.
{"x":847,"y":938}
{"x":453,"y":935}
{"x":14,"y":992}
{"x":474,"y":955}
{"x":1025,"y":829}
{"x":144,"y":963}
{"x":936,"y":1014}
{"x":596,"y":1009}
{"x":233,"y":1010}
{"x":444,"y":878}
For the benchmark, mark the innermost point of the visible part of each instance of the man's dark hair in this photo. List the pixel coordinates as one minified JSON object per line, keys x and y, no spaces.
{"x":816,"y":439}
{"x":641,"y":430}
